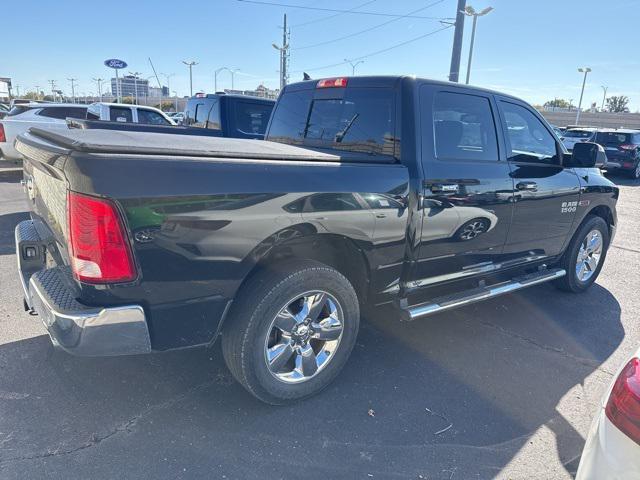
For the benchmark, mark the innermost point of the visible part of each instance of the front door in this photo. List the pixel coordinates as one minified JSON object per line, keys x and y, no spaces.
{"x":546,"y":194}
{"x":468,"y":191}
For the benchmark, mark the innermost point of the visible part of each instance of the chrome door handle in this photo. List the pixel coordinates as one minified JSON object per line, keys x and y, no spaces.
{"x":530,"y":186}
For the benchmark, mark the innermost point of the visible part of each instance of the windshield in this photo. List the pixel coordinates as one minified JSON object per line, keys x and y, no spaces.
{"x":578,"y":134}
{"x":356,"y":119}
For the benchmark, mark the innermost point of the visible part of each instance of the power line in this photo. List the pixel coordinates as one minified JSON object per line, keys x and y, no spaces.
{"x":321,"y":19}
{"x":335,"y":10}
{"x":378,"y":52}
{"x":344,"y":37}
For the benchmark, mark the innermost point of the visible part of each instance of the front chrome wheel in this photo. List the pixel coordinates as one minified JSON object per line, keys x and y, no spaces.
{"x":589,"y":255}
{"x":303,"y":337}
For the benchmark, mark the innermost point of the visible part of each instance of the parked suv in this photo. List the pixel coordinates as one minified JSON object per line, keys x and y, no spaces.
{"x":26,"y":115}
{"x":622,"y":148}
{"x":418,"y":195}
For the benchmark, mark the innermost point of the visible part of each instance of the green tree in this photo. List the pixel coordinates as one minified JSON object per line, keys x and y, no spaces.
{"x":618,"y":104}
{"x":557,"y":103}
{"x":32,"y":95}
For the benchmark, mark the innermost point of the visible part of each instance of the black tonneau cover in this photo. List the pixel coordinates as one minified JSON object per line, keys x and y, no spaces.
{"x":166,"y":144}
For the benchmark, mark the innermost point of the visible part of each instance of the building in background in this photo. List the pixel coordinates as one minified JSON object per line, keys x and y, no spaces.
{"x":5,"y":89}
{"x":260,"y":91}
{"x":128,"y":85}
{"x":155,"y":92}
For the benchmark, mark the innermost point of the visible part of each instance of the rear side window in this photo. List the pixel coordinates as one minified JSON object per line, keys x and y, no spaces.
{"x":252,"y":118}
{"x":150,"y":117}
{"x":578,"y":134}
{"x":63,"y":112}
{"x":17,"y":110}
{"x":464,"y":128}
{"x":528,"y":140}
{"x":117,"y":114}
{"x":358,"y":120}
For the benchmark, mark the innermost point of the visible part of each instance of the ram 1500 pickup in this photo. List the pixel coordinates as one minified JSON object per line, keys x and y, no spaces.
{"x":399,"y":191}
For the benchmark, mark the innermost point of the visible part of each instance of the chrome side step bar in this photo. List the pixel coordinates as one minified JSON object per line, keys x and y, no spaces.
{"x":468,"y":297}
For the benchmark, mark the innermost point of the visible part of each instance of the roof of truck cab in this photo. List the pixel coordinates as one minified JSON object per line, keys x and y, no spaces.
{"x":169,"y":144}
{"x":390,"y":81}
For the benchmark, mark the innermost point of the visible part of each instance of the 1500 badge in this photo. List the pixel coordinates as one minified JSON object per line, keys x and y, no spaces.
{"x":569,"y":207}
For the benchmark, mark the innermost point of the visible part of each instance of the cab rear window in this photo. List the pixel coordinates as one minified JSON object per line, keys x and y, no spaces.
{"x":613,"y":138}
{"x":578,"y":134}
{"x":357,"y":119}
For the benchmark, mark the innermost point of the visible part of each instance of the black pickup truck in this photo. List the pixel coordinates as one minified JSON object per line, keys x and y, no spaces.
{"x":414,"y":194}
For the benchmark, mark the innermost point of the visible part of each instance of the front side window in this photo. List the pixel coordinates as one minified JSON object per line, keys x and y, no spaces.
{"x":464,"y":128}
{"x":150,"y":117}
{"x":117,"y":114}
{"x":528,"y":140}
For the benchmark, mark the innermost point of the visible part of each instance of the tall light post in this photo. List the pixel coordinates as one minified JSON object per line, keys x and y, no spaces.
{"x":53,"y":88}
{"x":215,"y":78}
{"x":353,"y":65}
{"x":584,"y":70}
{"x":233,"y":71}
{"x":167,"y":76}
{"x":190,"y":64}
{"x":471,"y":12}
{"x":604,"y":96}
{"x":73,"y":89}
{"x":175,"y":94}
{"x":135,"y":83}
{"x":99,"y":82}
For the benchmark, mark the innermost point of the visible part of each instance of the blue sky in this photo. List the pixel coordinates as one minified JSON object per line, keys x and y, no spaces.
{"x":531,"y":49}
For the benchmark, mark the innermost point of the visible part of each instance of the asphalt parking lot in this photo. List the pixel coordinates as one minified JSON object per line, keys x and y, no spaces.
{"x":501,"y":389}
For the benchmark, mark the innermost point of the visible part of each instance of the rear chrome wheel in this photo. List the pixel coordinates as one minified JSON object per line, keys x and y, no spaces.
{"x":303,"y":337}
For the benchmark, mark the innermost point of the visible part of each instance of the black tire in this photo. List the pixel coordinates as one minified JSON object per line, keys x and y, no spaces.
{"x":249,"y":322}
{"x":635,"y":173}
{"x":570,"y":282}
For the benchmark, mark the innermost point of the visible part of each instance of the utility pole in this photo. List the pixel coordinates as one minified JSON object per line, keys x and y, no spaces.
{"x":190,"y":64}
{"x":53,"y":88}
{"x":604,"y":96}
{"x":470,"y":11}
{"x":167,"y":76}
{"x":456,"y":51}
{"x":353,"y":65}
{"x":37,"y":92}
{"x":175,"y":94}
{"x":584,"y":70}
{"x":18,"y":91}
{"x":73,"y":89}
{"x":284,"y":54}
{"x":99,"y":82}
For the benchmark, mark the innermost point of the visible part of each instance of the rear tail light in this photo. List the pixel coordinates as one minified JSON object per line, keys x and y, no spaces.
{"x":332,"y":82}
{"x":3,"y":137}
{"x":623,"y":407}
{"x":627,"y":165}
{"x":627,"y":147}
{"x":99,"y":252}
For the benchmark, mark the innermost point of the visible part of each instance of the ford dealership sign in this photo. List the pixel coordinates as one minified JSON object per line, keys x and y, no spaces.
{"x":115,"y":63}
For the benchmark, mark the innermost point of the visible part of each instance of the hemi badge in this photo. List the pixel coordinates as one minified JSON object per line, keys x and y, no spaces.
{"x":584,"y":203}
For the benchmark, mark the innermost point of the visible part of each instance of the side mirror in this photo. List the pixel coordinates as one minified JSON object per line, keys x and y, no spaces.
{"x":585,"y":155}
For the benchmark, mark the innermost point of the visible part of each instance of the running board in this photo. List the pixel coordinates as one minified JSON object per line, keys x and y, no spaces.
{"x":468,"y":297}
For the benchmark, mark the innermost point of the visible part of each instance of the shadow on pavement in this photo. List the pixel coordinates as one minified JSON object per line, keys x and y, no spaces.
{"x":8,"y":224}
{"x":453,"y":396}
{"x":10,"y":175}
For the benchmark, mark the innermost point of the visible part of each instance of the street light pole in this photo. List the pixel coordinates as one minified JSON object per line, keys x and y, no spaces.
{"x":604,"y":96}
{"x":470,"y":12}
{"x":190,"y":64}
{"x":233,"y":74}
{"x":353,"y":65}
{"x":175,"y":94}
{"x":584,"y":70}
{"x":215,"y":78}
{"x":135,"y":83}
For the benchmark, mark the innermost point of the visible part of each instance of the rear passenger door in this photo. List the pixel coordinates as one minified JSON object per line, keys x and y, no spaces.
{"x":546,"y":194}
{"x":467,"y":192}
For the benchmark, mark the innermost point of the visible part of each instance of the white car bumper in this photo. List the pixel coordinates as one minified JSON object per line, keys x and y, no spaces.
{"x":608,"y":454}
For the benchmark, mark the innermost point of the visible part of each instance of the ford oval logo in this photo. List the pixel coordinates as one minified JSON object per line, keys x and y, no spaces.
{"x":115,"y":63}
